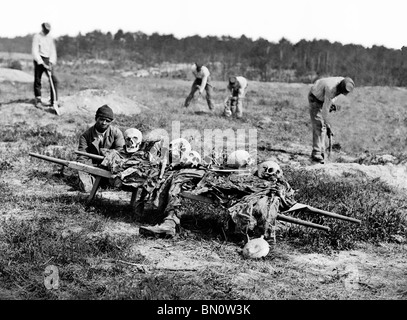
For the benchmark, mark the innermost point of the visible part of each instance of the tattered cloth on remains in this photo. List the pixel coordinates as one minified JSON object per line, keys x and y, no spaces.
{"x":182,"y":180}
{"x":139,"y":170}
{"x":253,"y":203}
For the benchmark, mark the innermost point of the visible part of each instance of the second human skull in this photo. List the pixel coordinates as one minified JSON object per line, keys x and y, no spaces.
{"x":193,"y":158}
{"x":132,"y":140}
{"x":269,"y":170}
{"x":240,"y":158}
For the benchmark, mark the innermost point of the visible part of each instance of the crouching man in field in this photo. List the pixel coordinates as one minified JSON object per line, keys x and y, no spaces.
{"x":102,"y":135}
{"x":321,"y":100}
{"x":234,"y":103}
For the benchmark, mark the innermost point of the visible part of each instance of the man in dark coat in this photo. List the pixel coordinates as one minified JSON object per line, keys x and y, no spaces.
{"x":102,"y":135}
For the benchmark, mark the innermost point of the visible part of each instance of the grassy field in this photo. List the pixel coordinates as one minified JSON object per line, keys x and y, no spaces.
{"x":96,"y":247}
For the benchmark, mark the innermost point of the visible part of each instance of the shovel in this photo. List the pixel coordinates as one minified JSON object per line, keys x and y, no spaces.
{"x":55,"y":104}
{"x":330,"y":135}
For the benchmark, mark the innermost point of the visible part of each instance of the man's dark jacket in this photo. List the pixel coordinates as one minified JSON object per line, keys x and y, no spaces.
{"x":89,"y":142}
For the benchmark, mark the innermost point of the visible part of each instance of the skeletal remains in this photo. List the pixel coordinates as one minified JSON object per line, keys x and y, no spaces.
{"x":240,"y":158}
{"x":256,"y":248}
{"x":180,"y":148}
{"x":132,"y":140}
{"x":269,"y":170}
{"x":181,"y":152}
{"x":193,"y":158}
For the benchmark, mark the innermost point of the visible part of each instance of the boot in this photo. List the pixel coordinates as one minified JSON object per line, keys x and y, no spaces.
{"x":38,"y":102}
{"x":227,"y":112}
{"x":318,"y":158}
{"x":138,"y":208}
{"x":167,"y":228}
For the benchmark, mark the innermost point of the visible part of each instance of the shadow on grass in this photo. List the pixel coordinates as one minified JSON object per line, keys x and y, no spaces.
{"x":202,"y":113}
{"x":49,"y":109}
{"x":31,"y":101}
{"x":21,"y":100}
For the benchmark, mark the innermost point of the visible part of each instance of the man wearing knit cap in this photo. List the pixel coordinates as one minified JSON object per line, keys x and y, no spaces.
{"x":45,"y":56}
{"x":234,"y":103}
{"x":102,"y":135}
{"x":321,"y":98}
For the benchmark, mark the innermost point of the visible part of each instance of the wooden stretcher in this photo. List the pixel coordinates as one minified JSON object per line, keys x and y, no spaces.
{"x":100,"y":173}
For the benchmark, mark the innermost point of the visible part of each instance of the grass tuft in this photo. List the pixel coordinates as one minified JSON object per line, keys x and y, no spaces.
{"x":379,"y":208}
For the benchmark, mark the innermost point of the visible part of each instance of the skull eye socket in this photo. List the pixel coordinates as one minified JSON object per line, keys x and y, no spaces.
{"x":270,"y":170}
{"x":132,"y":144}
{"x":131,"y":139}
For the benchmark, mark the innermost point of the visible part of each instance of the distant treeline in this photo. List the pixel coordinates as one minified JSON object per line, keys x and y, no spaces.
{"x":256,"y":59}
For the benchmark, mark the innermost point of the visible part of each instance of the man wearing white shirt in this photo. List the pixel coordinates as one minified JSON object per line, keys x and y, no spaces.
{"x":201,"y":83}
{"x":234,"y":103}
{"x":45,"y":56}
{"x":321,"y":98}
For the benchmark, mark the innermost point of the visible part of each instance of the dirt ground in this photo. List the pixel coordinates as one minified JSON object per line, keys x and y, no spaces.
{"x":13,"y":75}
{"x":368,"y":272}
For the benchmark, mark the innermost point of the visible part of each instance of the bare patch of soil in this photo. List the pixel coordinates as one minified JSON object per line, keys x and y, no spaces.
{"x":88,"y":101}
{"x":179,"y":255}
{"x":367,"y":268}
{"x":14,"y":75}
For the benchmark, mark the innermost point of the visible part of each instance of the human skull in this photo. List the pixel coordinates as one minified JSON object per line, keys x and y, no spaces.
{"x":179,"y":147}
{"x":256,"y":248}
{"x":132,"y":140}
{"x":193,"y":158}
{"x":269,"y":170}
{"x":240,"y":158}
{"x":206,"y":161}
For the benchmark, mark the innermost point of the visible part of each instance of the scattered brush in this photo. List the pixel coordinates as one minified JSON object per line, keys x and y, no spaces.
{"x":5,"y":165}
{"x":380,"y":209}
{"x":45,"y":135}
{"x":28,"y":246}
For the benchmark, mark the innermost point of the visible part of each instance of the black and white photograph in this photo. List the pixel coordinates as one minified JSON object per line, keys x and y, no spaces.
{"x":208,"y":158}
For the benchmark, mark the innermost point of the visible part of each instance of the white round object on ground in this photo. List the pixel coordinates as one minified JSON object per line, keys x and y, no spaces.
{"x":256,"y":248}
{"x":240,"y":158}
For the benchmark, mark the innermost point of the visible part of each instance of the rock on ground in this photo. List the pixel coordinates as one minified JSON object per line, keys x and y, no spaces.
{"x":14,"y":75}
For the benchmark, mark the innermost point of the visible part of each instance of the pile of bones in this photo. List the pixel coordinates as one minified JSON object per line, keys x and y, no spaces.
{"x":252,"y":194}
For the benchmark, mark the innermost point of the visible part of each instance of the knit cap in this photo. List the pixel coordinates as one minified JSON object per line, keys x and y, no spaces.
{"x":105,"y":111}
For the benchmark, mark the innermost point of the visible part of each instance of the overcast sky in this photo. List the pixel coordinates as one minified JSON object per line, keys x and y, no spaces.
{"x":364,"y":22}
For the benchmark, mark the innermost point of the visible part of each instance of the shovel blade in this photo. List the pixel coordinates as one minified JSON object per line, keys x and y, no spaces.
{"x":56,"y":108}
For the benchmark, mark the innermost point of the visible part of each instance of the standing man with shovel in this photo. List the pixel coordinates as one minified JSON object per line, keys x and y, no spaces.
{"x":321,"y":98}
{"x":45,"y":56}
